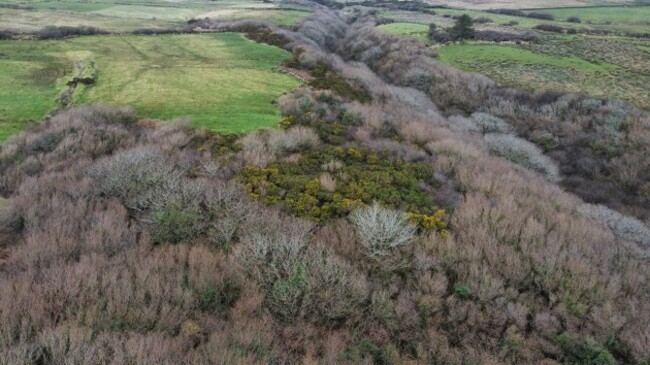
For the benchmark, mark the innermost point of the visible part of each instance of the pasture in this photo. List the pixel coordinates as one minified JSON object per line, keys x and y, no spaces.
{"x":615,"y":18}
{"x":222,"y":81}
{"x":528,"y":4}
{"x":611,"y":18}
{"x":120,"y":16}
{"x":468,"y":54}
{"x":536,"y":69}
{"x":414,"y":30}
{"x":610,"y":65}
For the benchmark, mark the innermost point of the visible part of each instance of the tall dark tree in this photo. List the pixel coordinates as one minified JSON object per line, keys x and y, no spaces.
{"x":463,"y":29}
{"x":433,"y":28}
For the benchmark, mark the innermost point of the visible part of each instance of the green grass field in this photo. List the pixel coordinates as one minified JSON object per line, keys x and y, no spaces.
{"x":497,"y":18}
{"x":443,"y":18}
{"x":613,"y":18}
{"x":536,"y":70}
{"x":222,"y":81}
{"x":67,"y":5}
{"x":123,"y":16}
{"x":149,"y":12}
{"x":279,"y":17}
{"x":468,"y":54}
{"x":530,"y":4}
{"x":609,"y":66}
{"x":414,"y":30}
{"x":639,"y":15}
{"x":233,"y":11}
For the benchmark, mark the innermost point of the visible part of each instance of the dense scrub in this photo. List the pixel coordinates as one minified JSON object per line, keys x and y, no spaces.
{"x":602,"y":146}
{"x":136,"y":241}
{"x":330,"y":182}
{"x":54,"y":32}
{"x":7,"y":34}
{"x":549,"y":28}
{"x":324,"y":77}
{"x":521,"y":13}
{"x":495,"y":36}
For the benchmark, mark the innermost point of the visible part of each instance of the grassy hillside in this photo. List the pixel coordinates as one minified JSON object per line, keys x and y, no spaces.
{"x":612,"y":18}
{"x":632,"y":16}
{"x":610,"y":65}
{"x":414,"y":30}
{"x":121,"y":16}
{"x":523,"y":68}
{"x":469,"y":53}
{"x":222,"y":81}
{"x":528,"y":4}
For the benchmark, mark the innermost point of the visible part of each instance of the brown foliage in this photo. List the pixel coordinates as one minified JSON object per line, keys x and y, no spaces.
{"x":601,"y":146}
{"x":523,"y":264}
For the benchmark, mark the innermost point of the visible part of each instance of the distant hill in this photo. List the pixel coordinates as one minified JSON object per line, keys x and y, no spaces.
{"x":528,"y":4}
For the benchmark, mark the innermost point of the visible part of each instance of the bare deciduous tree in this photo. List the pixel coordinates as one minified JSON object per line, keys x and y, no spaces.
{"x":381,"y":230}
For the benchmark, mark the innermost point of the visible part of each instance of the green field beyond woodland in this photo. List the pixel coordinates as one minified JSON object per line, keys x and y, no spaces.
{"x":221,"y":81}
{"x":414,"y":30}
{"x":125,"y":16}
{"x":536,"y":67}
{"x":597,"y":53}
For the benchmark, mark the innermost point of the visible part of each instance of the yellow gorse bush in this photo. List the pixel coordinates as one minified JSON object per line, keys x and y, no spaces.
{"x":434,"y":222}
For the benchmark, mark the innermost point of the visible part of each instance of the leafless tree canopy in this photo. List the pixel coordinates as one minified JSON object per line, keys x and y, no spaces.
{"x":125,"y":240}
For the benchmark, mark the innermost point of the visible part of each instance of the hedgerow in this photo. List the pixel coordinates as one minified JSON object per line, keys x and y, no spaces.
{"x":56,"y":32}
